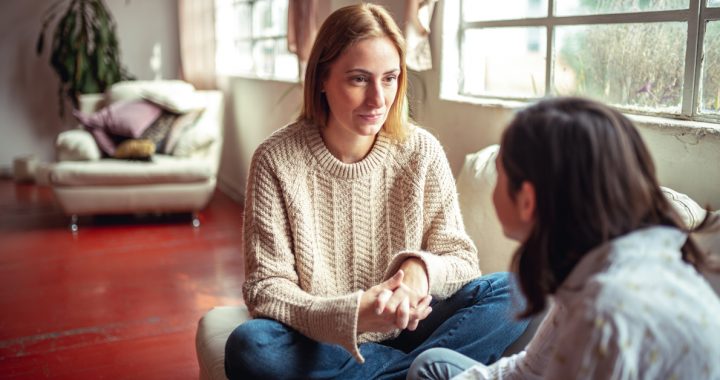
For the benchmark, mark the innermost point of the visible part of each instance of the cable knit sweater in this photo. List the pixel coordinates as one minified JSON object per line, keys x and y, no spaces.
{"x":318,"y":232}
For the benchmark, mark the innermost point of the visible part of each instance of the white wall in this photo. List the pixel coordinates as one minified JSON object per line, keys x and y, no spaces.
{"x":29,"y":118}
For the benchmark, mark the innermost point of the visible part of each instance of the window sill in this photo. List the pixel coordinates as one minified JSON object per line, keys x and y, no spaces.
{"x":653,"y":122}
{"x":260,"y":78}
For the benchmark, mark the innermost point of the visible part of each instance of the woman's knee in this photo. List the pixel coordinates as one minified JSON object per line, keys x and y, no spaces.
{"x":247,"y":345}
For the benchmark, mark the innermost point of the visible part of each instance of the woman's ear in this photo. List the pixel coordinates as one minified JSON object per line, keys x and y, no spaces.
{"x":526,"y":202}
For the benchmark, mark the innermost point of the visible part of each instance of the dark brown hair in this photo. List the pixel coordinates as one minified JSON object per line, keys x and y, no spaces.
{"x":343,"y":28}
{"x":594,"y":180}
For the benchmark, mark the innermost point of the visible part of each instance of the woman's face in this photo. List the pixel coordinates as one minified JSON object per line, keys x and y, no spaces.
{"x":361,"y":87}
{"x":514,"y":215}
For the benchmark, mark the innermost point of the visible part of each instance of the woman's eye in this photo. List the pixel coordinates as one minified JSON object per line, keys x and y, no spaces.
{"x":359,"y":79}
{"x":390,"y":79}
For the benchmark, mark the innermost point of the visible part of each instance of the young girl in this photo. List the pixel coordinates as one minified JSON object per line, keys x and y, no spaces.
{"x":352,"y":227}
{"x":576,"y":185}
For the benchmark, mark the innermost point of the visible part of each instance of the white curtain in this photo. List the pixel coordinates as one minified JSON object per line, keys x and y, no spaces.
{"x":197,"y":42}
{"x":418,"y":16}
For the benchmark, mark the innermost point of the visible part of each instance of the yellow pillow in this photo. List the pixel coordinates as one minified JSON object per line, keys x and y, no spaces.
{"x":135,"y":149}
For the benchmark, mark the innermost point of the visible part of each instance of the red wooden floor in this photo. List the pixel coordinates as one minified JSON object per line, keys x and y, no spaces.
{"x":118,"y":300}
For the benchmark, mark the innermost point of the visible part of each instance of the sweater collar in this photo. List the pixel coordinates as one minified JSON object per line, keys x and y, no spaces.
{"x":374,"y":159}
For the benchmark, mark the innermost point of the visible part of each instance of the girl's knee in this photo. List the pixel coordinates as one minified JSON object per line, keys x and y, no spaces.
{"x":422,"y":368}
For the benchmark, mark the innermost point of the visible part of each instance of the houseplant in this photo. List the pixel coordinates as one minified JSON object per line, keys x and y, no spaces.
{"x":84,"y":52}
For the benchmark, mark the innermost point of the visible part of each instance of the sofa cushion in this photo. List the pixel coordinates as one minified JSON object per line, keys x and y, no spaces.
{"x":213,"y":331}
{"x":108,"y":172}
{"x":475,"y":183}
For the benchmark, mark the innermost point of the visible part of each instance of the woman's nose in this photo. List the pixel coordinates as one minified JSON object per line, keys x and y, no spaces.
{"x":375,"y":95}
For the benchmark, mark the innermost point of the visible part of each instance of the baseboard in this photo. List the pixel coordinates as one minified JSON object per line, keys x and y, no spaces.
{"x":234,"y":191}
{"x":5,"y":172}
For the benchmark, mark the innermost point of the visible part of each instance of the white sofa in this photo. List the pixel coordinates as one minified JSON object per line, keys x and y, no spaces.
{"x":184,"y":181}
{"x":475,"y":184}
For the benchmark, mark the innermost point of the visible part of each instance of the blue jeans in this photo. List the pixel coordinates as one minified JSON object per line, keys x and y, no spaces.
{"x":439,"y":364}
{"x":477,"y":321}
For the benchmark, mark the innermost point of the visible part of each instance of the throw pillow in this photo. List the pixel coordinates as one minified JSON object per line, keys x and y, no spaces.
{"x":178,"y":102}
{"x":475,"y":184}
{"x":128,"y":119}
{"x":181,"y":125}
{"x":135,"y":149}
{"x":133,"y":89}
{"x":77,"y":145}
{"x":159,"y":129}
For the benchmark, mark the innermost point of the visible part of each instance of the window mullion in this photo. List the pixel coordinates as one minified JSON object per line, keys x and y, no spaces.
{"x":693,"y":59}
{"x":549,"y":48}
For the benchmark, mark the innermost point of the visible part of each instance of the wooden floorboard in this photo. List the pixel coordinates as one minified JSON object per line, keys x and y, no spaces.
{"x":120,"y":299}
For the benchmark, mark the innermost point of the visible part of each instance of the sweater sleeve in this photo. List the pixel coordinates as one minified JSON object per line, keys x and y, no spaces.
{"x":271,"y":287}
{"x":447,"y":251}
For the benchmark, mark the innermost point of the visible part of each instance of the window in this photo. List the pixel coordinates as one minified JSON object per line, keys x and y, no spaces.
{"x":252,"y":39}
{"x":659,"y":57}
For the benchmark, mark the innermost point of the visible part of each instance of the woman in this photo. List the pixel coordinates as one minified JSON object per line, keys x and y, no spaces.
{"x":577,"y":187}
{"x":356,"y":257}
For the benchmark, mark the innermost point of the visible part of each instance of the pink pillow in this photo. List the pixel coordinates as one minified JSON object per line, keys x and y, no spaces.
{"x":127,"y":119}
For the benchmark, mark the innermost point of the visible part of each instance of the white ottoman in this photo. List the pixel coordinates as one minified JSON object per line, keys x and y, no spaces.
{"x":213,"y":330}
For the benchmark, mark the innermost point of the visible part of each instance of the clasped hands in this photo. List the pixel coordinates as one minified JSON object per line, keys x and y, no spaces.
{"x":401,"y":302}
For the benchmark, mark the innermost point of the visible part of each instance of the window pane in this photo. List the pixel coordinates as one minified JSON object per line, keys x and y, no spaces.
{"x":713,"y":3}
{"x":584,"y":7}
{"x":508,"y":62}
{"x":632,"y":65}
{"x":475,"y":10}
{"x":711,"y":70}
{"x":264,"y":57}
{"x":243,"y":20}
{"x":286,"y":63}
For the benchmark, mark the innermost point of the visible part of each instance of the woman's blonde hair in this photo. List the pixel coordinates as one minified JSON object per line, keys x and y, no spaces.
{"x":342,"y":29}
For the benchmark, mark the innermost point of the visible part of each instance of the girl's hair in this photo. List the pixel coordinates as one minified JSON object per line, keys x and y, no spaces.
{"x":594,"y":180}
{"x":342,"y":29}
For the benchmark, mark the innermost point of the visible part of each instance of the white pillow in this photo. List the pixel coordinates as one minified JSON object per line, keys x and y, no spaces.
{"x":475,"y":183}
{"x":195,"y":140}
{"x":134,"y":90}
{"x":179,"y":102}
{"x":77,"y":145}
{"x":690,"y":212}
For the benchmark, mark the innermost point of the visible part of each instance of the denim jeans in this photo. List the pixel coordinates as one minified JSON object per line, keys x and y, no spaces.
{"x":439,"y":364}
{"x":477,"y":321}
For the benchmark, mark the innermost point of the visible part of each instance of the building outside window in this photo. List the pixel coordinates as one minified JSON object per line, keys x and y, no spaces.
{"x":252,"y":39}
{"x":657,"y":57}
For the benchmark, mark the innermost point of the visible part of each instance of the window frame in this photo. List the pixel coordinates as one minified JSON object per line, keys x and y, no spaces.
{"x":254,"y":39}
{"x":696,"y":16}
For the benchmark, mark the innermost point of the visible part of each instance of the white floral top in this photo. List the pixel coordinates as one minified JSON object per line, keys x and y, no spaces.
{"x":631,"y":309}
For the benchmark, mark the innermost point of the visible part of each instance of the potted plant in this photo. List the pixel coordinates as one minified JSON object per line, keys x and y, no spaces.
{"x":84,"y":53}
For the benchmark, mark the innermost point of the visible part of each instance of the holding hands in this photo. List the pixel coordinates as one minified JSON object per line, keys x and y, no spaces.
{"x":401,"y":301}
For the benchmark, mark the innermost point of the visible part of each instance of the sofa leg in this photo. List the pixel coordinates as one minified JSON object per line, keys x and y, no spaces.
{"x":195,"y":219}
{"x":74,"y":223}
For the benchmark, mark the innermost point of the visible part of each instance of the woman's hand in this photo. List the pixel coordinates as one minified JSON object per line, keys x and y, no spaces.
{"x":414,"y":287}
{"x":400,"y":302}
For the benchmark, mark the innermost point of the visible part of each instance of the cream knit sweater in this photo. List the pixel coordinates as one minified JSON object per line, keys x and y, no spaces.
{"x":318,"y":232}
